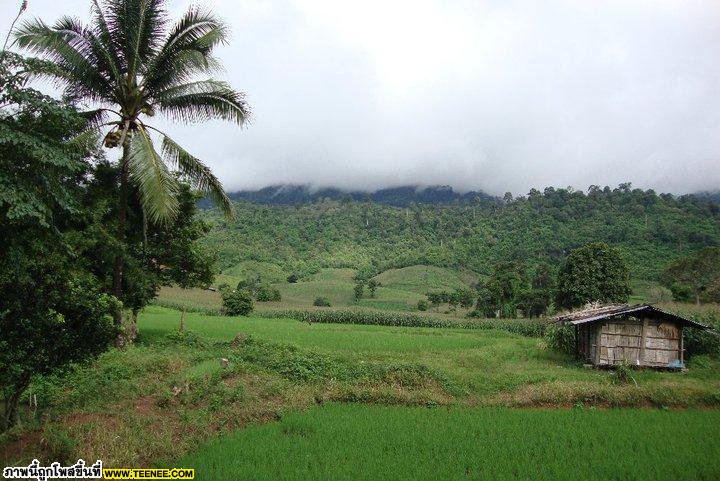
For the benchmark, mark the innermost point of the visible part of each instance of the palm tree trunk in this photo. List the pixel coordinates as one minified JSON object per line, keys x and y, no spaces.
{"x":119,"y":260}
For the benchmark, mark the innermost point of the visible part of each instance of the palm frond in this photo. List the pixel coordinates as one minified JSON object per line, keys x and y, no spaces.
{"x":200,"y":175}
{"x":94,"y":118}
{"x":138,"y":27}
{"x":86,"y":141}
{"x":187,"y":50}
{"x":65,"y":46}
{"x":204,"y":100}
{"x":102,"y":32}
{"x":158,"y":188}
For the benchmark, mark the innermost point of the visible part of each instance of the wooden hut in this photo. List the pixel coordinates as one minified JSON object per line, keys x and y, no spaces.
{"x":641,"y":335}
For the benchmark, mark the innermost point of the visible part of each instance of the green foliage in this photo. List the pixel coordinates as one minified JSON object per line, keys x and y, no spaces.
{"x":656,"y":294}
{"x":422,"y":305}
{"x":535,"y":302}
{"x":595,"y":272}
{"x":54,"y":311}
{"x":309,"y":365}
{"x":623,"y":373}
{"x":38,"y":160}
{"x":372,"y":286}
{"x":422,"y":279}
{"x":237,"y":303}
{"x":503,"y":292}
{"x":321,"y":302}
{"x":648,"y":229}
{"x":51,"y":317}
{"x":153,"y":255}
{"x":561,"y":338}
{"x":695,"y":276}
{"x":700,"y":342}
{"x":292,"y":279}
{"x":358,"y":290}
{"x":267,"y":293}
{"x":184,"y":338}
{"x":463,"y":297}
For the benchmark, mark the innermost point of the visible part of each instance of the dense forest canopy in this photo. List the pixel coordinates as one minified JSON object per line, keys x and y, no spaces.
{"x":542,"y":227}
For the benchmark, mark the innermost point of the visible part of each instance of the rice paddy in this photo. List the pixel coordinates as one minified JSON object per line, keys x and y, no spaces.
{"x":356,"y":442}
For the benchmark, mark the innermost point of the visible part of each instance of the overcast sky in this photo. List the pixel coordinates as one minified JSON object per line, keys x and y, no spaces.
{"x":492,"y":95}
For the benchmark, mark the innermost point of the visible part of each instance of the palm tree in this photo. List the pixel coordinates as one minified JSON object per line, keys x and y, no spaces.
{"x":129,"y":65}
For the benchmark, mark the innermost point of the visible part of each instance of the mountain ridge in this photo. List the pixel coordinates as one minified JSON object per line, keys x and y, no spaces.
{"x":401,"y":196}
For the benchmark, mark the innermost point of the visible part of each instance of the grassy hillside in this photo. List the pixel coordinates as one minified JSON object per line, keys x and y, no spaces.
{"x":267,"y":271}
{"x":650,"y":230}
{"x":421,"y":279}
{"x":400,"y":289}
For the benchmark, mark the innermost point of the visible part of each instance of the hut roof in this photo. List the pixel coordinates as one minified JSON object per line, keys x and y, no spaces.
{"x":596,"y":313}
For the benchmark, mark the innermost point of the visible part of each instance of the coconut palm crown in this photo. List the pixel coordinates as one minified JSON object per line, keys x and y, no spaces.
{"x":131,"y":64}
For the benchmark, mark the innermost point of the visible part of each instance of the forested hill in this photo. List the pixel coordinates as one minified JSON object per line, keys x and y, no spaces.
{"x":397,"y":196}
{"x":650,"y":229}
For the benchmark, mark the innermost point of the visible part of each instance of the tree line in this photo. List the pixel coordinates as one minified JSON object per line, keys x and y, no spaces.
{"x":649,"y":229}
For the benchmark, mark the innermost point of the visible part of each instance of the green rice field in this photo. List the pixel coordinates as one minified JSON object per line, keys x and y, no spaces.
{"x":356,"y":442}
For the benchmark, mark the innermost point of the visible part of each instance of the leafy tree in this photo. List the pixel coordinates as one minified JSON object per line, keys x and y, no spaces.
{"x":594,"y":272}
{"x":543,"y":278}
{"x":372,"y":287}
{"x":465,"y":298}
{"x":52,"y":316}
{"x":53,"y":313}
{"x":358,"y":290}
{"x":237,"y":303}
{"x":697,"y":273}
{"x":422,"y":305}
{"x":537,"y":300}
{"x":501,"y":294}
{"x":131,"y":67}
{"x":154,"y":255}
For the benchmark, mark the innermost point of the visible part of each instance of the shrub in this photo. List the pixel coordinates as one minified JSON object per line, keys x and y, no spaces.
{"x":321,"y":302}
{"x":267,"y":293}
{"x":237,"y":303}
{"x":659,"y":294}
{"x":358,"y":290}
{"x":623,"y":373}
{"x":292,"y":278}
{"x":184,"y":338}
{"x":697,"y":342}
{"x":422,"y":305}
{"x":561,"y":338}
